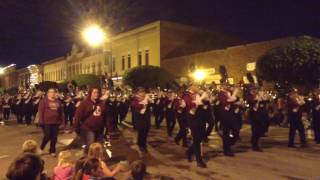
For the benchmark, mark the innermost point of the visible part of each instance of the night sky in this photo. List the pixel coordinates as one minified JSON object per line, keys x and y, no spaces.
{"x":33,"y":31}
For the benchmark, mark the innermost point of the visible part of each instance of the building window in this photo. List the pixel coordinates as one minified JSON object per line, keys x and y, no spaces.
{"x":93,"y":68}
{"x":147,"y":57}
{"x":113,"y":64}
{"x":99,"y":68}
{"x":77,"y":69}
{"x":129,"y":61}
{"x":123,"y":63}
{"x":139,"y":58}
{"x":80,"y":67}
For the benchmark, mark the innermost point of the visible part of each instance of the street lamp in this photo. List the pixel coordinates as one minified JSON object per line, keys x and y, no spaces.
{"x":199,"y":75}
{"x":94,"y":35}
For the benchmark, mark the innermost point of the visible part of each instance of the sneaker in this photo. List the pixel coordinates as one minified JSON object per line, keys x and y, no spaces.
{"x":257,"y":149}
{"x":53,"y":154}
{"x":229,"y":154}
{"x":41,"y":152}
{"x":189,"y":157}
{"x":292,"y":146}
{"x":201,"y":164}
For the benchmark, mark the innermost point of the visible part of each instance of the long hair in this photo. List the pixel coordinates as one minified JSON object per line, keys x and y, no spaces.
{"x":96,"y":151}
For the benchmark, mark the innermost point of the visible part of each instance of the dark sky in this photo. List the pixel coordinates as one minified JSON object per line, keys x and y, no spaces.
{"x":33,"y":31}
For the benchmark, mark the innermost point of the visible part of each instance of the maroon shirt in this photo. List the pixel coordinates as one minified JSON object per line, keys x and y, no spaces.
{"x":50,"y":112}
{"x":90,"y":116}
{"x":189,"y":97}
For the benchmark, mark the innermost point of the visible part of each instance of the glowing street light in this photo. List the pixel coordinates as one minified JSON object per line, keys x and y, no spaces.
{"x":94,"y":35}
{"x":199,"y":75}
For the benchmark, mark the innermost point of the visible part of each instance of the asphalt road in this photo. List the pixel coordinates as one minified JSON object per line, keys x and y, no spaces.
{"x":167,"y":160}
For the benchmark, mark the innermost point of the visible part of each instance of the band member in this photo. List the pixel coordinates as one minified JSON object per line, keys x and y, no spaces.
{"x":6,"y":105}
{"x":50,"y":118}
{"x":112,"y":112}
{"x":316,"y":115}
{"x":257,"y":118}
{"x":295,"y":103}
{"x":124,"y":107}
{"x":181,"y":114}
{"x":170,"y":112}
{"x":27,"y":108}
{"x":226,"y":99}
{"x":159,"y":107}
{"x":69,"y":110}
{"x":141,"y":110}
{"x":90,"y":119}
{"x":35,"y":100}
{"x":18,"y":108}
{"x":205,"y":113}
{"x":197,"y":125}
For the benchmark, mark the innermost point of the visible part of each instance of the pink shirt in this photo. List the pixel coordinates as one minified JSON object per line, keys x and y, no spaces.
{"x":62,"y":173}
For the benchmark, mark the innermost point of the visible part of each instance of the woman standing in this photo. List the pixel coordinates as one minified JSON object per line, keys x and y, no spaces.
{"x":50,"y":118}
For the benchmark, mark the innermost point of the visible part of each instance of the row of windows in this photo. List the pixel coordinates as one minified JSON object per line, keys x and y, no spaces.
{"x":54,"y":75}
{"x":128,"y":60}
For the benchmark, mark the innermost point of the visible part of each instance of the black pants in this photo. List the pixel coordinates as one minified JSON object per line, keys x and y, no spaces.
{"x":171,"y":122}
{"x":210,"y":123}
{"x":19,"y":117}
{"x":28,"y":118}
{"x":256,"y":135}
{"x":142,"y":138}
{"x":195,"y":148}
{"x":182,"y":134}
{"x":294,"y":126}
{"x":226,"y":139}
{"x":6,"y":113}
{"x":158,"y":118}
{"x":316,"y":129}
{"x":50,"y":132}
{"x":68,"y":118}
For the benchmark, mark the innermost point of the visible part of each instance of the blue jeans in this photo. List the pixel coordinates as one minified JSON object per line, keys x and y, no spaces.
{"x":90,"y":137}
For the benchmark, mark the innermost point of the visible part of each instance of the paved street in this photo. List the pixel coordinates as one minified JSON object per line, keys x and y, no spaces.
{"x":166,"y":159}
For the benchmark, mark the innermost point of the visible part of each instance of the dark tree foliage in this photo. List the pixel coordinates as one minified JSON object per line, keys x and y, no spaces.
{"x":148,"y":77}
{"x":297,"y":62}
{"x":45,"y":85}
{"x":86,"y":80}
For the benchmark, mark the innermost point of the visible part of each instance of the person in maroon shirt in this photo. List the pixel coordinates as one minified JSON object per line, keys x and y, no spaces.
{"x":50,"y":118}
{"x":90,"y":118}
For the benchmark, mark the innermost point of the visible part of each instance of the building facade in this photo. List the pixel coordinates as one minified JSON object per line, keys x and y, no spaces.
{"x":175,"y":47}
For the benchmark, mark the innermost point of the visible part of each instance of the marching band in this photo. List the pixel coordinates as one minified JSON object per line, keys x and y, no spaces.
{"x":198,"y":110}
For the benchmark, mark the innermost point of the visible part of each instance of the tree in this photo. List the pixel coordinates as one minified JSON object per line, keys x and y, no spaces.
{"x":86,"y":80}
{"x":148,"y":77}
{"x":297,"y":62}
{"x":45,"y":85}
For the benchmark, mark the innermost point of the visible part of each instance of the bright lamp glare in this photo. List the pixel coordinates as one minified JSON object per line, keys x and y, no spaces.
{"x":1,"y":70}
{"x":94,"y":35}
{"x":199,"y":75}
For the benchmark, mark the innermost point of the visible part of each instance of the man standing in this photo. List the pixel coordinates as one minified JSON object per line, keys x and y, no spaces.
{"x":90,"y":118}
{"x":316,"y":115}
{"x":141,"y":110}
{"x":295,"y":103}
{"x":226,"y":117}
{"x":6,"y":105}
{"x":180,"y":108}
{"x":50,"y":117}
{"x":192,"y":100}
